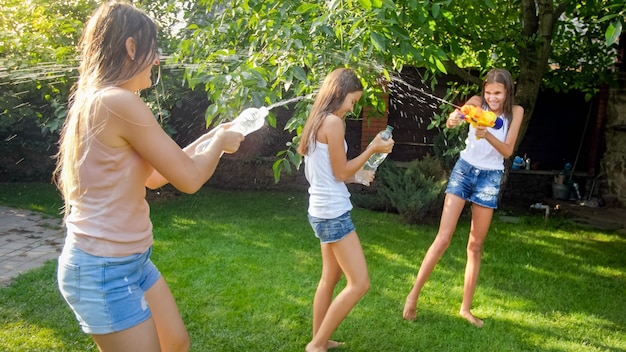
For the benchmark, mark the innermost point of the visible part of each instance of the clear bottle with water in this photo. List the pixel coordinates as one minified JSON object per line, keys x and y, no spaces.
{"x":374,"y":161}
{"x":250,"y":120}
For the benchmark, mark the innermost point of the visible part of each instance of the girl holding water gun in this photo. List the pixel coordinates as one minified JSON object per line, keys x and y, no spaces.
{"x":476,"y":179}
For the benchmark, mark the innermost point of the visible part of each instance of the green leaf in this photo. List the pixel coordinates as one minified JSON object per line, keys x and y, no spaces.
{"x":366,"y":4}
{"x":277,"y":169}
{"x":435,"y":10}
{"x":304,"y":8}
{"x":608,"y":17}
{"x":299,"y":73}
{"x":613,"y":32}
{"x":210,"y":113}
{"x":440,"y":66}
{"x":378,"y":41}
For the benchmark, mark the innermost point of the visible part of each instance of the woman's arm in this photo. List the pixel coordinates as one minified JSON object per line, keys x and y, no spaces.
{"x":129,"y":121}
{"x":156,"y":180}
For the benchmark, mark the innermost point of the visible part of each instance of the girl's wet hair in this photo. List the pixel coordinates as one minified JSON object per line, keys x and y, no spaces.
{"x":334,"y":90}
{"x":105,"y":62}
{"x":502,"y":76}
{"x":104,"y":59}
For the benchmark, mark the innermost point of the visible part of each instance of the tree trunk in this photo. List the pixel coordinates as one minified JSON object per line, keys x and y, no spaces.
{"x":539,"y":19}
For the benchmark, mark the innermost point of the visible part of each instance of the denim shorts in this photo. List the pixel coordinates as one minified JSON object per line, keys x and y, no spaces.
{"x":332,"y":230}
{"x":106,"y":293}
{"x":475,"y":185}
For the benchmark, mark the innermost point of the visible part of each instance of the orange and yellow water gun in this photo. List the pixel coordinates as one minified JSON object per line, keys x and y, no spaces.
{"x":479,"y":117}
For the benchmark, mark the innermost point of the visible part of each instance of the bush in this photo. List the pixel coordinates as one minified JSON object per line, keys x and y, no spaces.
{"x":416,"y":191}
{"x":370,"y":198}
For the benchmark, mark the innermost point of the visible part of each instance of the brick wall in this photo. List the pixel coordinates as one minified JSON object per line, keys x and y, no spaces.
{"x":372,"y":123}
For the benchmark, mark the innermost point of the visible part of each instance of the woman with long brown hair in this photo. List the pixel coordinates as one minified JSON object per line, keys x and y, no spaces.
{"x":476,"y":179}
{"x":112,"y":148}
{"x":327,"y":169}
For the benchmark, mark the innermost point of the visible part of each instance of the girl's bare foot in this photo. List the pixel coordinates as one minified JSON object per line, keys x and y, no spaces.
{"x":410,"y":309}
{"x":333,"y":344}
{"x":311,"y":348}
{"x":472,"y":319}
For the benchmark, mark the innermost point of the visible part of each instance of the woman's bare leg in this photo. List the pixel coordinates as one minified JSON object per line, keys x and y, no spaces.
{"x":173,"y":336}
{"x":164,"y":331}
{"x":452,"y":208}
{"x":331,"y":273}
{"x":481,"y":219}
{"x":142,"y":337}
{"x":349,"y":255}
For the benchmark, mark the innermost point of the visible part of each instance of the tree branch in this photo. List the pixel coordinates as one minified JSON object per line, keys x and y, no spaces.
{"x":463,"y":74}
{"x":560,"y":9}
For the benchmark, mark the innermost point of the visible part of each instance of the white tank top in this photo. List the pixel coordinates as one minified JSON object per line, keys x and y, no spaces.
{"x":480,"y":153}
{"x":328,"y":198}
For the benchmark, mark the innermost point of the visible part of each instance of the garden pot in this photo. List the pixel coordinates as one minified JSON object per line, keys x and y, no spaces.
{"x":560,"y":191}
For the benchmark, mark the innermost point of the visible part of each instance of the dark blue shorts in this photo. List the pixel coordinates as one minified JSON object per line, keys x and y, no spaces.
{"x":475,"y":185}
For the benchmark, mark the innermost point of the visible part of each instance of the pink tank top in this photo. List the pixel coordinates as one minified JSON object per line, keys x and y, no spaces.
{"x":111,"y":218}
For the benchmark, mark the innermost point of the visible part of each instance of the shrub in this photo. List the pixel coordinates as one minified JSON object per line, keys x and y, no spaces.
{"x":370,"y":198}
{"x":416,"y":191}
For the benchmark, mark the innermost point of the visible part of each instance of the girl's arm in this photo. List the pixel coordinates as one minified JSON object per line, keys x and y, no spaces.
{"x":507,"y":147}
{"x":332,"y":132}
{"x":454,"y":119}
{"x":129,"y":121}
{"x":156,"y":180}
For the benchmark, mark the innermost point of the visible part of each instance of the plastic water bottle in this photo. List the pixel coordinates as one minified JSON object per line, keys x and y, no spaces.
{"x":374,"y":161}
{"x":250,"y":120}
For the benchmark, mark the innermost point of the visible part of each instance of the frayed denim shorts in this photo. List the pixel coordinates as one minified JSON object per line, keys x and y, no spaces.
{"x":332,"y":230}
{"x":106,"y":293}
{"x":475,"y":185}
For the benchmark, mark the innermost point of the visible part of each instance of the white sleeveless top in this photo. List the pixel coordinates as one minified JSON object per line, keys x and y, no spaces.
{"x":328,"y":198}
{"x":482,"y":155}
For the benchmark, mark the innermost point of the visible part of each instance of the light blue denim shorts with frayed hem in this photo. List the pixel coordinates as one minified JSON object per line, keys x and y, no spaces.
{"x":106,"y":293}
{"x":475,"y":185}
{"x":332,"y":230}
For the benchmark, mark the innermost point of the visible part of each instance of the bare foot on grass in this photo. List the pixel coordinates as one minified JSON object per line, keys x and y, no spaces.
{"x":472,"y":319}
{"x":330,"y":344}
{"x":410,"y":309}
{"x":311,"y":348}
{"x":334,"y":344}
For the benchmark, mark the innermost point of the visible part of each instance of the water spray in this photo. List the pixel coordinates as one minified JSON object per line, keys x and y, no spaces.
{"x":422,"y":91}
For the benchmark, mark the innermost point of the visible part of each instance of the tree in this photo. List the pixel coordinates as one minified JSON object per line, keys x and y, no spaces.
{"x":252,"y":52}
{"x":262,"y":52}
{"x":38,"y":65}
{"x":545,"y":44}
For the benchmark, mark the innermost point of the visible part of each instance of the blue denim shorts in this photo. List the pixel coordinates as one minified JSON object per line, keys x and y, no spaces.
{"x":106,"y":293}
{"x":332,"y":230}
{"x":475,"y":185}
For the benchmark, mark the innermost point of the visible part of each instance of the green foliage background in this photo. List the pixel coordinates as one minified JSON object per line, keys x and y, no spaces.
{"x":241,"y":53}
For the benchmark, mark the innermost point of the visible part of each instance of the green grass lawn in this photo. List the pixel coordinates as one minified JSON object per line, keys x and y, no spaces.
{"x":244,"y":266}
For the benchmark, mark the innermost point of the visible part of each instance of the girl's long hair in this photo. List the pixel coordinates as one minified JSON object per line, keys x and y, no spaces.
{"x":105,"y":62}
{"x":500,"y":75}
{"x":336,"y":86}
